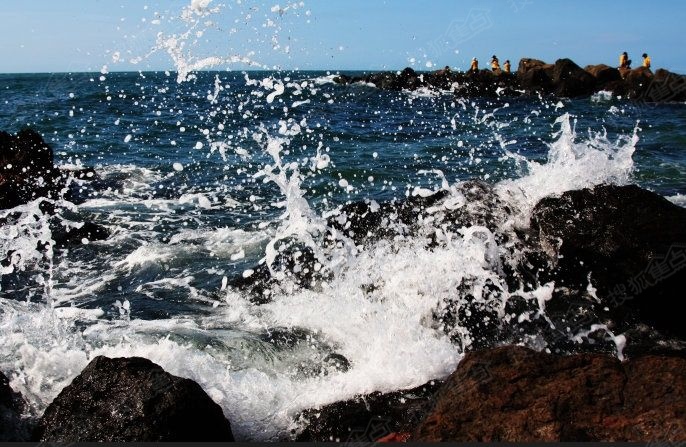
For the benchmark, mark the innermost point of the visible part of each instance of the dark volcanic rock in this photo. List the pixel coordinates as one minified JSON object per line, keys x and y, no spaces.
{"x":12,"y":427}
{"x":27,"y":172}
{"x":89,"y":231}
{"x":368,"y":418}
{"x":132,"y":399}
{"x":26,"y":169}
{"x":513,"y":394}
{"x":631,"y":241}
{"x":572,"y":81}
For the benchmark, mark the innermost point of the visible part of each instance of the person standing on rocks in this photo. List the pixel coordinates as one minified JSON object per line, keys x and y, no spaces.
{"x":507,"y":66}
{"x":495,"y":64}
{"x":646,"y":60}
{"x":624,"y":61}
{"x":475,"y":65}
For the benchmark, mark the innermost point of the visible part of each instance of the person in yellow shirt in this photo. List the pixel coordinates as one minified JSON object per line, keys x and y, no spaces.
{"x":506,"y":66}
{"x":624,"y":61}
{"x":495,"y":64}
{"x":475,"y":65}
{"x":646,"y":60}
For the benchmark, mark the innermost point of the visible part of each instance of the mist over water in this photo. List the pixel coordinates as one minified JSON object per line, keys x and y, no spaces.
{"x":204,"y":175}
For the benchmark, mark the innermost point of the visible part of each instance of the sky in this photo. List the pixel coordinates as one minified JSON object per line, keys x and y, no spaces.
{"x":85,"y":35}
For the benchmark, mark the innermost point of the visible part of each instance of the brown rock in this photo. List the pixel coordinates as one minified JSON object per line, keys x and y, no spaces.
{"x":665,"y":86}
{"x":530,"y":396}
{"x":603,"y":74}
{"x":638,"y":81}
{"x":527,"y":64}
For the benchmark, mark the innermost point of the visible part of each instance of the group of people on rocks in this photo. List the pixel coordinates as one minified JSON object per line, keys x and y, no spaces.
{"x":625,"y":62}
{"x":495,"y":65}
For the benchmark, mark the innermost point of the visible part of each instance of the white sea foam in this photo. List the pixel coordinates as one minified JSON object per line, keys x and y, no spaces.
{"x":573,"y":163}
{"x":678,"y":199}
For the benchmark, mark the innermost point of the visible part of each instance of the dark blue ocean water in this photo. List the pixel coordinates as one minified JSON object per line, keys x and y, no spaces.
{"x":177,"y":189}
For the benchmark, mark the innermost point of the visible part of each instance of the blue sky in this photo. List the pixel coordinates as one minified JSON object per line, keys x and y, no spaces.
{"x":81,"y":35}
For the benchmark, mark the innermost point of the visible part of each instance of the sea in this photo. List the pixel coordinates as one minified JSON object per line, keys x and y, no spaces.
{"x":201,"y":181}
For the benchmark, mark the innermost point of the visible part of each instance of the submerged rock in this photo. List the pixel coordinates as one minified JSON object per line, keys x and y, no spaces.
{"x":630,"y":241}
{"x":132,"y":399}
{"x":514,"y":394}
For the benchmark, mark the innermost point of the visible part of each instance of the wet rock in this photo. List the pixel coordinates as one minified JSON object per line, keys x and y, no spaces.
{"x":132,"y":399}
{"x":26,"y":169}
{"x":12,"y":427}
{"x":514,"y":394}
{"x":367,"y":418}
{"x":27,"y":172}
{"x":88,"y":232}
{"x":630,"y":241}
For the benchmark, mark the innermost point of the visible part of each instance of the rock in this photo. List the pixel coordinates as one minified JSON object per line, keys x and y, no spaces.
{"x":638,"y":81}
{"x":665,"y":86}
{"x":342,"y":79}
{"x":368,"y":418}
{"x":12,"y":427}
{"x":604,"y":75}
{"x":631,"y":241}
{"x":26,"y":169}
{"x":408,"y":79}
{"x":27,"y":172}
{"x":89,"y":232}
{"x":132,"y":399}
{"x":535,"y":76}
{"x":514,"y":394}
{"x":527,"y":64}
{"x":572,"y":81}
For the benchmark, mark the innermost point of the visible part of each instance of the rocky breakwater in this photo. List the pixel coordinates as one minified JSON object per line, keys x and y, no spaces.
{"x":562,"y":79}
